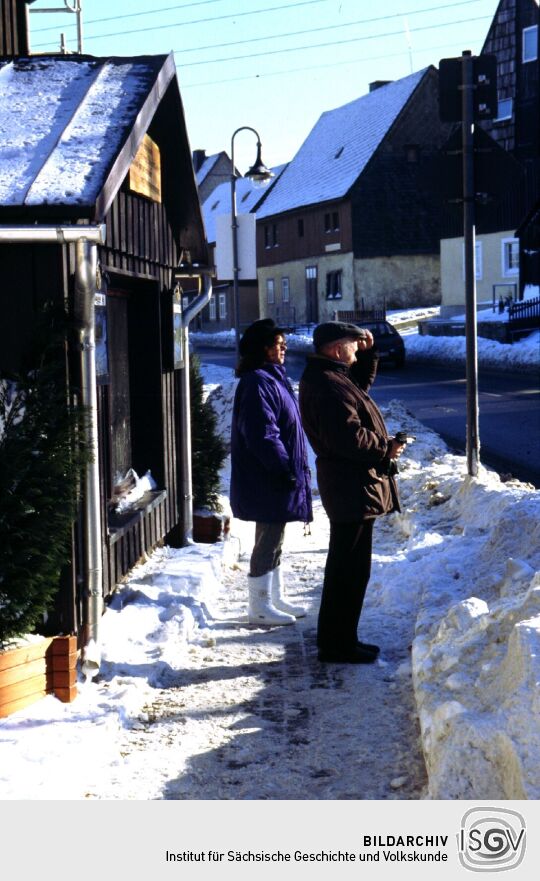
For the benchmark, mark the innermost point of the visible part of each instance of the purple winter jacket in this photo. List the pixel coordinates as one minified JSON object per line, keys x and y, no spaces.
{"x":270,"y":478}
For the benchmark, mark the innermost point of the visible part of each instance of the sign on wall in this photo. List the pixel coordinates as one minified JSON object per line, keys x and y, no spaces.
{"x":145,"y":170}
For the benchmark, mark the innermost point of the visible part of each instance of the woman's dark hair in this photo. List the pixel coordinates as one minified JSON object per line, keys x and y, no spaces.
{"x":254,"y":358}
{"x":258,"y":336}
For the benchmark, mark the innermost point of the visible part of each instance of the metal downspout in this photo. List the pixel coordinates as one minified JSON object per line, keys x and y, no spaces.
{"x":86,"y":239}
{"x":85,"y":291}
{"x":189,"y":313}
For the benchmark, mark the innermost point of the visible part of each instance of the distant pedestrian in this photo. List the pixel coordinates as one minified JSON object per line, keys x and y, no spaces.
{"x":355,"y":459}
{"x":270,"y":479}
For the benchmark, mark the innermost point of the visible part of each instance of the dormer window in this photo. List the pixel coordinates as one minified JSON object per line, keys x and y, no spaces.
{"x":530,"y":44}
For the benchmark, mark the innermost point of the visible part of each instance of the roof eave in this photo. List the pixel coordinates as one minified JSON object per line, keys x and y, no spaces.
{"x":128,"y":151}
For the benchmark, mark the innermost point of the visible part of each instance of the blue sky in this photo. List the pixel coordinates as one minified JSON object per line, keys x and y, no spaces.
{"x":271,"y":64}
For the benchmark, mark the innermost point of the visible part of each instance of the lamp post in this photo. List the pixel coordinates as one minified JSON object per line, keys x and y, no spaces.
{"x":260,"y":174}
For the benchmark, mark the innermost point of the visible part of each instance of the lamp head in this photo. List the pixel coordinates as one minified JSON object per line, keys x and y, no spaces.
{"x":258,"y":172}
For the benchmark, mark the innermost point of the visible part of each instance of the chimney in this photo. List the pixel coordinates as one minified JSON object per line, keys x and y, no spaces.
{"x":378,"y":84}
{"x":198,"y":159}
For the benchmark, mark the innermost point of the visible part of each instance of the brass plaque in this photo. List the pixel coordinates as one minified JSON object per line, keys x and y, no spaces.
{"x":145,"y":170}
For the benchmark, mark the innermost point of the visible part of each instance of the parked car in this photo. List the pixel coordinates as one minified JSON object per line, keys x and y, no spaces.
{"x":388,"y":342}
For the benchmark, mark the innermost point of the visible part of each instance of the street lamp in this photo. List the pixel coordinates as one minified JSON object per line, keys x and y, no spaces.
{"x":259,"y":174}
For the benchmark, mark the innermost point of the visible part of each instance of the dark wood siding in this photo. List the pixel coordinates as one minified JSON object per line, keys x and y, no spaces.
{"x":303,"y":233}
{"x":396,"y":206}
{"x":13,"y":40}
{"x":515,"y":80}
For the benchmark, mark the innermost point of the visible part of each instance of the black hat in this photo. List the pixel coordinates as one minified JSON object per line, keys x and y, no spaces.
{"x":258,"y":335}
{"x":331,"y":331}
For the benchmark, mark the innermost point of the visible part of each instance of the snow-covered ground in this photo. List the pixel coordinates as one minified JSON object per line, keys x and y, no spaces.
{"x":192,"y":702}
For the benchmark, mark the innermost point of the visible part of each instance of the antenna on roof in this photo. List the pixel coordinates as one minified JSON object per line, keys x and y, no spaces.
{"x":76,"y":8}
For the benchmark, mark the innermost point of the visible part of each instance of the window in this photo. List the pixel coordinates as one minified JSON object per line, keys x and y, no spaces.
{"x":285,"y":290}
{"x":300,"y":227}
{"x":333,"y":285}
{"x":212,"y":308}
{"x":477,"y":259}
{"x":504,"y":109}
{"x":331,"y":221}
{"x":271,"y":239}
{"x":510,"y":256}
{"x":222,"y":306}
{"x":530,"y":44}
{"x":270,"y":292}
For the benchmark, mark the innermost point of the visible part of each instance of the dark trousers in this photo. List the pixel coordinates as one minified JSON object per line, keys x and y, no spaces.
{"x":346,"y":576}
{"x":266,"y":554}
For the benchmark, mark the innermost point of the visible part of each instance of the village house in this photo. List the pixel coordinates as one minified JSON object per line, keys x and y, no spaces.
{"x":100,"y":217}
{"x":217,"y":215}
{"x":353,"y":221}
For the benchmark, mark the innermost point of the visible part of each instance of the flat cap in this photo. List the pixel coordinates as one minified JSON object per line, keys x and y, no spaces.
{"x":331,"y":331}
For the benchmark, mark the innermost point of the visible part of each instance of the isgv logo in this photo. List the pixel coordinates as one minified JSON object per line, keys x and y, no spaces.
{"x":491,"y":839}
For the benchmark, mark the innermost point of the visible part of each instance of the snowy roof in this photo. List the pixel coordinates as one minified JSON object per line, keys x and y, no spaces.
{"x":63,"y":122}
{"x":248,"y":195}
{"x":339,"y":147}
{"x":206,"y":167}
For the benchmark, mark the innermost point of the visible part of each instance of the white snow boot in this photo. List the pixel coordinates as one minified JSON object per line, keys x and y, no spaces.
{"x":278,"y":596}
{"x":260,"y":609}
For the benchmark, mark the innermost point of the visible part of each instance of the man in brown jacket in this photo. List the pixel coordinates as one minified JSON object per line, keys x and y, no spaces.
{"x":354,"y":451}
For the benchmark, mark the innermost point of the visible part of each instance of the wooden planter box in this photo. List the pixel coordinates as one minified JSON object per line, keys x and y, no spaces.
{"x":27,"y":674}
{"x":209,"y":527}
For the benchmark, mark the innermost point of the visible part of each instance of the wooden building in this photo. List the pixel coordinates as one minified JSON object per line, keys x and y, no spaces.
{"x":88,"y":142}
{"x":353,"y":221}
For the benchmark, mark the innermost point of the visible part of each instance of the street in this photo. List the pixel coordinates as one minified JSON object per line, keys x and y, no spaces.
{"x":509,"y":408}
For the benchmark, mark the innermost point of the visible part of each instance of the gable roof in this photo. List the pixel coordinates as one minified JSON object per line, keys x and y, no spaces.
{"x":339,"y":147}
{"x":69,"y":123}
{"x":207,"y":167}
{"x":248,"y":196}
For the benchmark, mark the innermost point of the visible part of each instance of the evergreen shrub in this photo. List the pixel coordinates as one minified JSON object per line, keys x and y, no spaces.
{"x":208,"y":451}
{"x":42,"y":454}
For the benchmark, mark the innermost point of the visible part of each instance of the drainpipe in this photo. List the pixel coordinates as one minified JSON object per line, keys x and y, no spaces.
{"x":85,"y":293}
{"x":86,"y":239}
{"x":200,"y":301}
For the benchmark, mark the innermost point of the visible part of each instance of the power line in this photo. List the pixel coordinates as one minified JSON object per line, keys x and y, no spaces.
{"x":131,"y":15}
{"x":333,"y":43}
{"x":162,"y":27}
{"x":324,"y":28}
{"x":318,"y":66}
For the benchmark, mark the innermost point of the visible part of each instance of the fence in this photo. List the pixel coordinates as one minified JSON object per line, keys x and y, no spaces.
{"x":524,"y":315}
{"x":356,"y":315}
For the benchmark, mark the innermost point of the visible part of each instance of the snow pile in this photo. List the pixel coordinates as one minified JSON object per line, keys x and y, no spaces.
{"x":476,"y":655}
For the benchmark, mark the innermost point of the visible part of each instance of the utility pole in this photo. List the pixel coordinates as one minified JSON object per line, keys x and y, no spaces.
{"x":467,"y":93}
{"x":469,"y":236}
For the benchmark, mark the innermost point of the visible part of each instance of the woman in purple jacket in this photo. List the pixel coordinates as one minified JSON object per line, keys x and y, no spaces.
{"x":270,"y":479}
